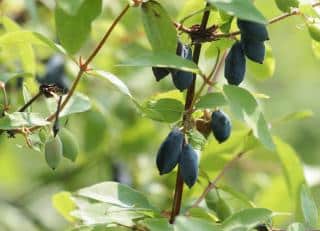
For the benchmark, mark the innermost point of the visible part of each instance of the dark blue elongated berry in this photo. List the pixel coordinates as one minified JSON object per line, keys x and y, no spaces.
{"x":160,"y":72}
{"x":253,"y":30}
{"x":220,"y":125}
{"x":182,"y":79}
{"x":254,"y":50}
{"x":189,"y":165}
{"x":235,"y":65}
{"x":169,"y":151}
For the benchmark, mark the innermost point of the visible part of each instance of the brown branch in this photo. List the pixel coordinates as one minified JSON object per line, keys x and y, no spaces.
{"x":84,"y":67}
{"x":213,"y":183}
{"x":214,"y":36}
{"x":176,"y":205}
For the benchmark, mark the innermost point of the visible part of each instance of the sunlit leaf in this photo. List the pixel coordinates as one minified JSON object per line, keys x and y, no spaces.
{"x":116,"y":194}
{"x":157,"y":224}
{"x":243,"y":9}
{"x":78,"y":103}
{"x":114,"y":80}
{"x":211,"y":100}
{"x":103,"y":213}
{"x":309,"y":207}
{"x":64,"y":204}
{"x":22,"y":119}
{"x":164,"y":110}
{"x":247,"y":219}
{"x":25,"y":50}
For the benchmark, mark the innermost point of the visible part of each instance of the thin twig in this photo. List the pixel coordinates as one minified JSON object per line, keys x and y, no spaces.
{"x":217,"y":71}
{"x":193,"y":14}
{"x":84,"y":67}
{"x":31,"y":101}
{"x":179,"y":26}
{"x":213,"y":183}
{"x":198,"y":94}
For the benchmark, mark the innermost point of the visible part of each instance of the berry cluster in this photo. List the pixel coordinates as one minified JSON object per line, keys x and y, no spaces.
{"x":253,"y":36}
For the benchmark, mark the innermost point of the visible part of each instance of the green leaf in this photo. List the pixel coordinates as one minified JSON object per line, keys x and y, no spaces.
{"x":292,"y":170}
{"x":158,"y":26}
{"x":21,"y":37}
{"x":25,"y":50}
{"x":163,"y":110}
{"x":162,"y":59}
{"x":157,"y":224}
{"x":299,"y":115}
{"x":309,"y":207}
{"x":114,"y":80}
{"x":238,"y":195}
{"x":5,"y":77}
{"x":116,"y":194}
{"x":70,"y":6}
{"x":265,"y":70}
{"x":296,"y":227}
{"x":102,"y":213}
{"x":22,"y":119}
{"x":203,"y":213}
{"x":286,"y":5}
{"x":246,"y":219}
{"x":314,"y":31}
{"x":73,"y":30}
{"x":245,"y":107}
{"x":219,"y":45}
{"x":78,"y":103}
{"x":173,"y":94}
{"x":243,"y":9}
{"x":192,"y":224}
{"x":306,"y":8}
{"x":211,"y":100}
{"x":196,"y":139}
{"x":64,"y":204}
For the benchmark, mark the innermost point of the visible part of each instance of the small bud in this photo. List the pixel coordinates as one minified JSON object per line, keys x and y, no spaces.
{"x":2,"y":85}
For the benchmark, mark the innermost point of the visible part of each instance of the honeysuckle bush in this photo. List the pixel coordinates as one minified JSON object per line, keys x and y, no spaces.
{"x":79,"y":94}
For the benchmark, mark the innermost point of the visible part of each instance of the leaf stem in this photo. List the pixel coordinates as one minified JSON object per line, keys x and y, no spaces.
{"x":176,"y":205}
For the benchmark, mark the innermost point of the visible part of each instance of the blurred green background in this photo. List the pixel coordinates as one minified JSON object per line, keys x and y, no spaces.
{"x":118,"y":144}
